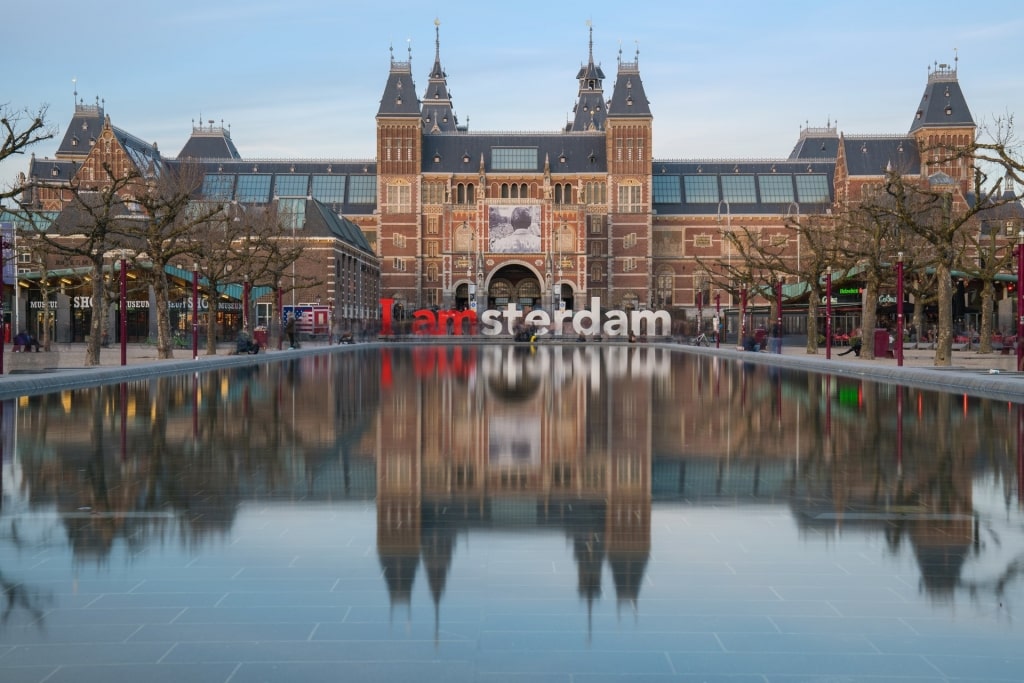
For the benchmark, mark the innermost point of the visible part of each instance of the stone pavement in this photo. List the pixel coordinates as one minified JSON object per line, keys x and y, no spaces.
{"x":981,"y":374}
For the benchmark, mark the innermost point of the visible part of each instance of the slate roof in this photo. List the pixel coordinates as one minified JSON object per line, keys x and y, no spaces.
{"x":209,"y":142}
{"x":719,"y":168}
{"x":816,"y":143}
{"x":628,"y":96}
{"x":460,"y":153}
{"x":347,"y":168}
{"x":81,"y":133}
{"x":320,"y":217}
{"x":52,"y":170}
{"x":872,"y":155}
{"x":943,"y":103}
{"x":399,"y":97}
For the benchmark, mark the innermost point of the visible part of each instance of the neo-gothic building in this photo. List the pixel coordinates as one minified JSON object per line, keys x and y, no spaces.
{"x":459,"y":218}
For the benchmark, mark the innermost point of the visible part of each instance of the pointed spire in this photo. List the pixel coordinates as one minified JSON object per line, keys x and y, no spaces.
{"x":438,"y":115}
{"x":590,"y":106}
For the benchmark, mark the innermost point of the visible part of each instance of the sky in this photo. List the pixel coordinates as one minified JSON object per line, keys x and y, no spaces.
{"x":303,"y":79}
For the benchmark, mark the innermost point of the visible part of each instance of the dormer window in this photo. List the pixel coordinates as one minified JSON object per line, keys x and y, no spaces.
{"x":55,"y":171}
{"x":919,"y":114}
{"x":74,"y":142}
{"x":949,"y":110}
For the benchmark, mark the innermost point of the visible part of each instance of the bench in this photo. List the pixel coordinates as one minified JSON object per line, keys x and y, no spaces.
{"x":27,"y":361}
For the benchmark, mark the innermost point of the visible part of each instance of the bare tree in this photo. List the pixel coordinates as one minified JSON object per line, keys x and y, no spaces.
{"x":935,"y":210}
{"x":165,"y":234}
{"x":97,"y":224}
{"x":241,"y":242}
{"x":19,"y":130}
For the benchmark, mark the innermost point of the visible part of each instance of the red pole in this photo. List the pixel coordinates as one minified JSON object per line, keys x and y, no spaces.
{"x":899,"y":310}
{"x":828,"y":313}
{"x":195,"y":311}
{"x":124,"y":312}
{"x":3,"y":323}
{"x":280,"y":318}
{"x":743,"y":316}
{"x":1020,"y":300}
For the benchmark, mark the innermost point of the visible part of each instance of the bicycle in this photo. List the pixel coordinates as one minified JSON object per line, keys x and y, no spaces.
{"x":700,"y":340}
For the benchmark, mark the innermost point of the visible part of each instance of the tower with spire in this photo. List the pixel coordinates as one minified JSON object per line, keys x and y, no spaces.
{"x":943,"y":121}
{"x":589,"y":112}
{"x":438,"y":115}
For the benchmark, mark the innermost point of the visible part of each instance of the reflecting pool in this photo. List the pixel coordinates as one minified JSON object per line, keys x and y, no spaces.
{"x":503,"y":513}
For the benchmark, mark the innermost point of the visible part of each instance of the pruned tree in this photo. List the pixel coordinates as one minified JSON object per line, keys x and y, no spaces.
{"x":166,"y":234}
{"x":19,"y":130}
{"x":936,"y":211}
{"x":241,"y":242}
{"x":875,"y":241}
{"x":97,"y":224}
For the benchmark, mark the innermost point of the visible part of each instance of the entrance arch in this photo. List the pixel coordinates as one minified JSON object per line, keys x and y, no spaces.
{"x":514,"y":283}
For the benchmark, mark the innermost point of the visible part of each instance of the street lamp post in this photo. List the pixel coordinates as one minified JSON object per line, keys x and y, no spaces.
{"x":743,"y":314}
{"x":718,"y":320}
{"x":778,"y":320}
{"x":799,"y":230}
{"x":195,"y":311}
{"x":828,"y":313}
{"x":700,"y":312}
{"x":899,"y":310}
{"x":123,"y":333}
{"x":245,"y":303}
{"x":280,"y":315}
{"x":728,"y":228}
{"x":1020,"y":300}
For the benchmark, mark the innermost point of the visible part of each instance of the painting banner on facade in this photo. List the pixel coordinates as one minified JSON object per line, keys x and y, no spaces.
{"x":10,"y":274}
{"x":514,"y":229}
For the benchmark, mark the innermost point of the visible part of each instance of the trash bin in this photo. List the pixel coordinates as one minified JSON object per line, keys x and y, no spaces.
{"x":260,"y":336}
{"x":881,"y":347}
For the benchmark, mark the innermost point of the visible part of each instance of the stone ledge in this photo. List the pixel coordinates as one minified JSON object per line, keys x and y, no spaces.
{"x":31,"y":361}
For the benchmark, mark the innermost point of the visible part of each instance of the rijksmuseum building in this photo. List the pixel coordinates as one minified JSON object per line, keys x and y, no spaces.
{"x":445,"y":217}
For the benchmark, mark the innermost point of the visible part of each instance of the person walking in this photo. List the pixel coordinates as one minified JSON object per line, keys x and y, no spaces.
{"x":289,"y":329}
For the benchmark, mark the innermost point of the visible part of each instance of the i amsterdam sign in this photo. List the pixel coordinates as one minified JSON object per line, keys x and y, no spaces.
{"x":493,"y":322}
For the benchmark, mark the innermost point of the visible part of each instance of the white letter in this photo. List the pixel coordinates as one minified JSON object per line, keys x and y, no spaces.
{"x":593,"y":315}
{"x":617,"y":325}
{"x":490,"y":322}
{"x":652,"y":317}
{"x":540,"y":319}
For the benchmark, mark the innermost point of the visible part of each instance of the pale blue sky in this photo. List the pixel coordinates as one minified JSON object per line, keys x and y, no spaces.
{"x":303,"y":78}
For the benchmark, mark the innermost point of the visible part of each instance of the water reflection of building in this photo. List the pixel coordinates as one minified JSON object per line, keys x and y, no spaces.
{"x":605,"y":429}
{"x":554,"y":437}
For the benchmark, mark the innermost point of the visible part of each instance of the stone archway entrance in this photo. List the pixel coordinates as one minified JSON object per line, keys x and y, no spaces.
{"x":515,"y":284}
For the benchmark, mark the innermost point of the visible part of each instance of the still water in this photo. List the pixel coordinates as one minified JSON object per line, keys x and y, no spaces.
{"x":496,"y":513}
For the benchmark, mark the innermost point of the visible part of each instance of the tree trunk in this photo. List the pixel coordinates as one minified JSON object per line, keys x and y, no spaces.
{"x":164,"y":337}
{"x":96,"y":326}
{"x":211,"y":324}
{"x":869,"y":319}
{"x":988,"y":293}
{"x":944,"y":344}
{"x":812,"y":321}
